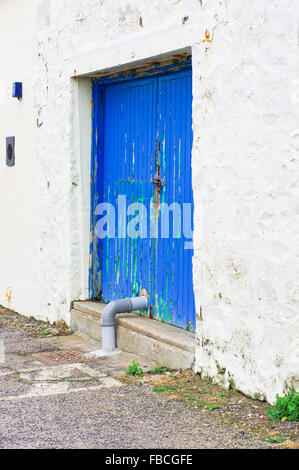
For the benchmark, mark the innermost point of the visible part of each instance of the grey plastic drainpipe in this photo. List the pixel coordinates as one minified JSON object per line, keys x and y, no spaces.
{"x":119,"y":306}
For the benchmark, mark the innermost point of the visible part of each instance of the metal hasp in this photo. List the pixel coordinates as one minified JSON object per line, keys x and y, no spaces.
{"x":17,"y":90}
{"x":108,"y":317}
{"x":157,"y":181}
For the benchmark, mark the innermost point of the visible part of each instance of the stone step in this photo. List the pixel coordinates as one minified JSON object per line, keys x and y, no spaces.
{"x":92,"y":308}
{"x":168,"y":345}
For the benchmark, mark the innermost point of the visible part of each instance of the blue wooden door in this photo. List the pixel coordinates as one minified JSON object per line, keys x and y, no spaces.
{"x":128,"y":150}
{"x":144,"y":166}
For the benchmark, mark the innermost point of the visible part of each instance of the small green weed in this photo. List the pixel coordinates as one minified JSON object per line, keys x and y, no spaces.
{"x":224,"y":395}
{"x":42,"y":332}
{"x":163,"y":388}
{"x":158,"y":370}
{"x":213,"y":407}
{"x":134,"y":369}
{"x":275,"y":439}
{"x":195,"y":400}
{"x":285,"y":407}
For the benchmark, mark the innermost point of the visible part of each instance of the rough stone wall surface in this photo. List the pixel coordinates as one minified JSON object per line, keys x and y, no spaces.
{"x":246,"y":139}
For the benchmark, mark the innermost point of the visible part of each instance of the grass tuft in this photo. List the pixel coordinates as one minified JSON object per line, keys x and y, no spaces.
{"x":134,"y":369}
{"x":285,"y":408}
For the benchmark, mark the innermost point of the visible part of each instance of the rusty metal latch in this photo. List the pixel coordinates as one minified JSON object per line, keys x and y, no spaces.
{"x":158,"y":182}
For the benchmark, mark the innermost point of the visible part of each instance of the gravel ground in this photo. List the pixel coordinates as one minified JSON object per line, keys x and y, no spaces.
{"x":133,"y":417}
{"x":51,"y":399}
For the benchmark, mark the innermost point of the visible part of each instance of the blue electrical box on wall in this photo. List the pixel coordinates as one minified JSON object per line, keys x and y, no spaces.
{"x":17,"y":90}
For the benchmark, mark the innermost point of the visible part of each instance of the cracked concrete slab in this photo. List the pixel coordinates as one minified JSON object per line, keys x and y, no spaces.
{"x":43,"y":367}
{"x":54,"y":380}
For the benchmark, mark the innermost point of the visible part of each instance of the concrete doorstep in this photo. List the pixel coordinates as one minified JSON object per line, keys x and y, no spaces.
{"x":165,"y":344}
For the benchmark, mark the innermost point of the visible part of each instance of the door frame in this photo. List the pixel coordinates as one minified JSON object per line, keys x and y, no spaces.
{"x":97,"y":154}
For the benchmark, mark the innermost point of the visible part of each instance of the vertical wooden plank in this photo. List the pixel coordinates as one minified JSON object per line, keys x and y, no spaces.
{"x":174,"y":278}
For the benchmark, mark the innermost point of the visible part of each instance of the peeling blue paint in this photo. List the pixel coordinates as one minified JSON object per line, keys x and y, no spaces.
{"x":130,"y":117}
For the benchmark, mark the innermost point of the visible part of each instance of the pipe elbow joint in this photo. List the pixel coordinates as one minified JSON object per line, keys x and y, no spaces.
{"x":114,"y":307}
{"x":108,"y":317}
{"x":122,"y":306}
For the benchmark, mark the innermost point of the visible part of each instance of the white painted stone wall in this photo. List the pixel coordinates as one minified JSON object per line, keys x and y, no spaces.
{"x":246,"y":140}
{"x":18,"y":195}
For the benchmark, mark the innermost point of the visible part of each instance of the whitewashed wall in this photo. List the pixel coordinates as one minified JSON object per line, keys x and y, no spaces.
{"x":18,"y":188}
{"x":246,"y":139}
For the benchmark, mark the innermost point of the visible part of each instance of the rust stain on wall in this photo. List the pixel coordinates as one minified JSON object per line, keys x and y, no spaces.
{"x":8,"y":296}
{"x":207,"y":36}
